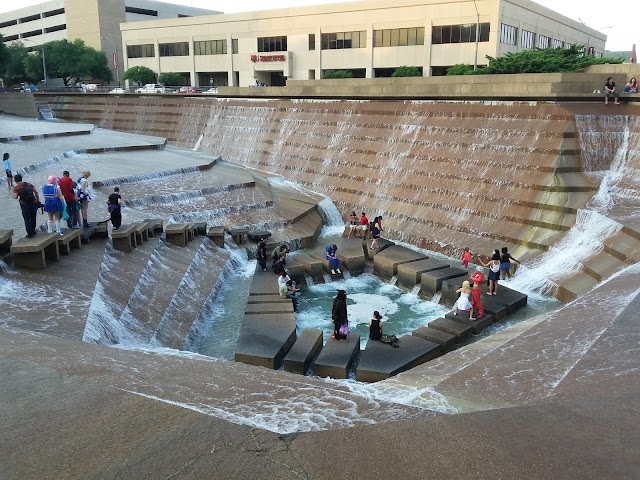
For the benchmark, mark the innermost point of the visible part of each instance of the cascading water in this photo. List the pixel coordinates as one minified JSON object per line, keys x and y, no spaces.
{"x":331,"y":217}
{"x":198,"y":143}
{"x":393,"y":280}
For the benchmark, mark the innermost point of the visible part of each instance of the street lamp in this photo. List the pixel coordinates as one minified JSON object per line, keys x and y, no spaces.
{"x":44,"y":62}
{"x":475,"y":59}
{"x":115,"y":53}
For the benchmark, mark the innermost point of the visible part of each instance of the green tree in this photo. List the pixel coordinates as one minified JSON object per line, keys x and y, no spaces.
{"x":544,"y":60}
{"x":13,"y":71}
{"x":170,"y":78}
{"x":460,"y":69}
{"x":406,"y":71}
{"x":71,"y":61}
{"x":140,"y":75}
{"x":4,"y":55}
{"x":337,"y":74}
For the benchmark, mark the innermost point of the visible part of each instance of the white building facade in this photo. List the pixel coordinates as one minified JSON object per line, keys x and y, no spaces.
{"x":371,"y":38}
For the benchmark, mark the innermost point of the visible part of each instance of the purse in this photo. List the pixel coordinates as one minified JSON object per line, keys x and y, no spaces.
{"x":344,"y":329}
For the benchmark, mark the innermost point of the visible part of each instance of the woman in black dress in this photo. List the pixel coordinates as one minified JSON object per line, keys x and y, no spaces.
{"x":339,"y":314}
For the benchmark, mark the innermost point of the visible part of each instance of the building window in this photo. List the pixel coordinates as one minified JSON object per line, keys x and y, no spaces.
{"x":8,"y":23}
{"x":272,"y":44}
{"x":141,"y":51}
{"x":32,"y":33}
{"x":544,"y":41}
{"x":312,"y":41}
{"x":178,"y":49}
{"x":210,"y":47}
{"x":459,"y":33}
{"x":569,"y":45}
{"x":398,"y":37}
{"x":56,"y":28}
{"x":558,"y":43}
{"x":141,"y":11}
{"x":30,"y":18}
{"x":339,"y":40}
{"x":508,"y":34}
{"x":527,"y":39}
{"x":9,"y":38}
{"x":52,"y":13}
{"x":234,"y":45}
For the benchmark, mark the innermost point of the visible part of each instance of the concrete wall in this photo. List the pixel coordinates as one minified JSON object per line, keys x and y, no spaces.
{"x":22,"y":104}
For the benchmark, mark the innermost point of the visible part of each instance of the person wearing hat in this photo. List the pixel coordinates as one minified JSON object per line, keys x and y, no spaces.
{"x":375,"y":326}
{"x":339,"y":314}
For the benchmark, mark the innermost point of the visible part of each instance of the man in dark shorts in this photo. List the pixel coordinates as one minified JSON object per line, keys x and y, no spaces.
{"x":69,"y":194}
{"x":113,"y":205}
{"x":29,"y":204}
{"x":610,"y":89}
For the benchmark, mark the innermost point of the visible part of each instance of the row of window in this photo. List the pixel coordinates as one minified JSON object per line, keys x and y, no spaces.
{"x":272,"y":44}
{"x":339,"y":40}
{"x":31,"y":18}
{"x":33,"y":33}
{"x":398,"y":37}
{"x":509,"y":36}
{"x":210,"y":47}
{"x":460,"y":33}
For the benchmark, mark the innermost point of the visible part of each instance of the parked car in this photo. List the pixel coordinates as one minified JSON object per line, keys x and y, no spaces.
{"x":186,"y":90}
{"x":211,"y":91}
{"x":151,"y":88}
{"x":118,"y":90}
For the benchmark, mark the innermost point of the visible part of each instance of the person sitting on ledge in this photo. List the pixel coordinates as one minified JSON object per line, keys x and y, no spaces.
{"x":288,"y":290}
{"x":631,"y":86}
{"x":375,"y":326}
{"x":334,"y":261}
{"x":353,"y":225}
{"x":610,"y":89}
{"x":278,"y":267}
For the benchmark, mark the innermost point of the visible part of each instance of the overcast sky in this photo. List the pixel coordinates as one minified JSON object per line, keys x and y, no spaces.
{"x":620,"y":24}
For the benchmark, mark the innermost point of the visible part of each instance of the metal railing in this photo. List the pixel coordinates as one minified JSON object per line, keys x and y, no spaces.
{"x":158,"y":89}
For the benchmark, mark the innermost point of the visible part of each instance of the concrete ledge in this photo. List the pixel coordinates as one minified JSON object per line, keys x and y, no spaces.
{"x":296,"y":270}
{"x":379,"y":360}
{"x":457,"y":329}
{"x":270,"y":308}
{"x":87,"y":233}
{"x":70,"y":239}
{"x":478,"y":325}
{"x":431,"y":282}
{"x":312,"y":266}
{"x":177,"y":234}
{"x":385,"y":263}
{"x":383,"y":244}
{"x":256,"y":235}
{"x":265,"y":340}
{"x":141,"y":233}
{"x":337,"y":356}
{"x":303,"y":351}
{"x":100,"y":230}
{"x":445,"y":340}
{"x":154,"y":225}
{"x":34,"y":252}
{"x":216,"y":234}
{"x":275,"y":298}
{"x":124,"y":238}
{"x":6,"y":237}
{"x":512,"y":299}
{"x":352,"y":258}
{"x":264,"y":283}
{"x":409,"y":274}
{"x":497,"y":310}
{"x":200,"y":229}
{"x":239,"y":235}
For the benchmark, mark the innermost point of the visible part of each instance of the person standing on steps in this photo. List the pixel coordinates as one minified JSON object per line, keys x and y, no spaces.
{"x":505,"y":263}
{"x":262,"y":254}
{"x":29,"y":204}
{"x":7,"y":171}
{"x":610,"y":89}
{"x":364,"y":226}
{"x":334,"y":261}
{"x":376,"y":229}
{"x":53,"y":204}
{"x":463,"y":302}
{"x":114,"y":205}
{"x":84,"y":196}
{"x":476,"y":302}
{"x":466,"y":258}
{"x":353,"y":225}
{"x":69,"y":194}
{"x":494,"y":272}
{"x":339,"y":315}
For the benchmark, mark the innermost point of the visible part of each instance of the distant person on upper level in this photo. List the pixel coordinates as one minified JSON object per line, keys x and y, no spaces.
{"x":631,"y":86}
{"x":610,"y":89}
{"x":7,"y":171}
{"x":353,"y":225}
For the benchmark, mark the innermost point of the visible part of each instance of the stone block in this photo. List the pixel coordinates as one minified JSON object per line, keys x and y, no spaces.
{"x":265,"y":340}
{"x":383,"y":244}
{"x":385,"y":263}
{"x":256,"y":235}
{"x":313,"y":267}
{"x":379,"y":360}
{"x":269,"y":308}
{"x":87,"y":233}
{"x":100,"y":230}
{"x":176,"y":234}
{"x":34,"y":252}
{"x":352,"y":259}
{"x":70,"y":239}
{"x":238,"y":235}
{"x":296,"y":270}
{"x":142,"y":233}
{"x":457,"y":329}
{"x":191,"y":232}
{"x":303,"y":351}
{"x":409,"y":274}
{"x":124,"y":238}
{"x":6,"y":237}
{"x":445,"y":340}
{"x":431,"y":282}
{"x":448,"y":289}
{"x":155,"y":225}
{"x":216,"y":234}
{"x":200,"y":228}
{"x":492,"y":307}
{"x":478,"y":324}
{"x":512,"y":299}
{"x":336,"y":357}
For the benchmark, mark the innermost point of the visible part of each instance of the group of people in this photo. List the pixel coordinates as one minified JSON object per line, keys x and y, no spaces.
{"x":358,"y":227}
{"x":611,"y":90}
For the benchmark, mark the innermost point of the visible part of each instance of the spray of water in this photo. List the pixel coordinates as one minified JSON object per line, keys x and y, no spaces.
{"x":331,"y":217}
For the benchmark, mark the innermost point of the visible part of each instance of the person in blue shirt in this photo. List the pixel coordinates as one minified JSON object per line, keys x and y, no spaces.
{"x":7,"y":171}
{"x":334,"y":261}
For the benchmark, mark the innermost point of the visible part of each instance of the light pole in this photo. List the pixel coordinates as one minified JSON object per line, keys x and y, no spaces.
{"x":44,"y":62}
{"x":475,"y":58}
{"x":115,"y":53}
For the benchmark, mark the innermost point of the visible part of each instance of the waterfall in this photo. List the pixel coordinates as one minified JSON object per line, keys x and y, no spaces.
{"x":326,"y":277}
{"x":346,"y":275}
{"x":309,"y":281}
{"x":415,"y":290}
{"x":436,"y":298}
{"x":584,"y":239}
{"x":393,"y":280}
{"x":198,"y":143}
{"x":331,"y":218}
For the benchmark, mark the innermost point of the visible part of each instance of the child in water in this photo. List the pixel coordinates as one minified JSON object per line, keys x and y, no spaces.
{"x":466,"y":258}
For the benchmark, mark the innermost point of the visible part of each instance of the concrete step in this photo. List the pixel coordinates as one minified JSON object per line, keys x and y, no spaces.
{"x":452,"y":327}
{"x":445,"y":340}
{"x":602,"y":265}
{"x":336,"y":357}
{"x":306,"y":348}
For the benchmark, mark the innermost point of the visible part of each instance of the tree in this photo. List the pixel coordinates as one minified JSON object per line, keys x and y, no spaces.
{"x":140,"y":75}
{"x":337,"y":74}
{"x":170,"y":78}
{"x":460,"y":69}
{"x":13,"y":71}
{"x":406,"y":71}
{"x":4,"y":55}
{"x":71,"y":61}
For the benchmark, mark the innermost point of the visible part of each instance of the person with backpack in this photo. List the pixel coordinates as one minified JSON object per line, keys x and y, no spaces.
{"x":7,"y":171}
{"x":114,"y":204}
{"x":29,"y":204}
{"x":68,"y":190}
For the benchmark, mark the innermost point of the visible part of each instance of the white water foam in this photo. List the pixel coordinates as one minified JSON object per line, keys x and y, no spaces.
{"x":196,"y":147}
{"x":332,"y":219}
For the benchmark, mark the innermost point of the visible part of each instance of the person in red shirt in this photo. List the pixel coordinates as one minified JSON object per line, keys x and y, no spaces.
{"x":466,"y":258}
{"x":364,"y":226}
{"x":477,"y":278}
{"x":69,"y":194}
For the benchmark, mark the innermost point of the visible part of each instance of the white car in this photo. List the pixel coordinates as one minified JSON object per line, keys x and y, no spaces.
{"x":151,"y":88}
{"x":211,"y":91}
{"x":118,"y":90}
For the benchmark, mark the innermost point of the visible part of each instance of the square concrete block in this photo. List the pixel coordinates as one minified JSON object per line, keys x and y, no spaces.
{"x":5,"y":240}
{"x":296,"y":270}
{"x":303,"y":351}
{"x":124,"y":238}
{"x":409,"y":274}
{"x":457,"y":329}
{"x":34,"y":252}
{"x":512,"y":299}
{"x":155,"y":225}
{"x":478,"y":325}
{"x":265,"y":340}
{"x":431,"y":281}
{"x":352,"y":260}
{"x":383,"y":244}
{"x":492,"y":307}
{"x":385,"y":263}
{"x":312,"y":266}
{"x":216,"y":234}
{"x":71,"y":238}
{"x":336,"y":357}
{"x":448,"y":289}
{"x":177,"y":234}
{"x":445,"y":340}
{"x":379,"y":360}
